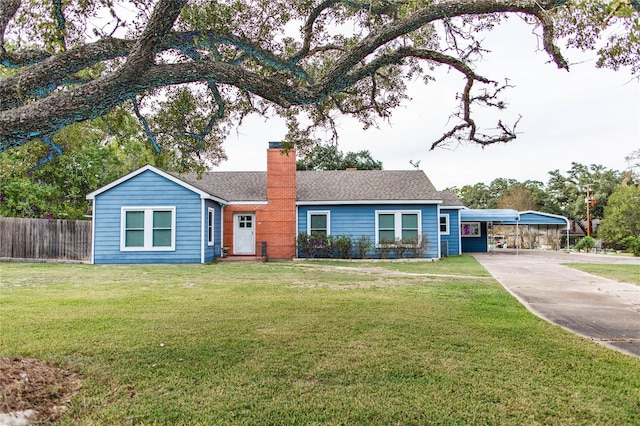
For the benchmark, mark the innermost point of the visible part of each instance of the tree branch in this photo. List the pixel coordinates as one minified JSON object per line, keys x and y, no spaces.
{"x":32,"y":107}
{"x":434,"y":12}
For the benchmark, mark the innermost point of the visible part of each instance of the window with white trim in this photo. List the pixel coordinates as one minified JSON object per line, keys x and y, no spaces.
{"x":148,"y":228}
{"x":319,"y":222}
{"x":444,"y":224}
{"x":392,"y":226}
{"x":210,"y":216}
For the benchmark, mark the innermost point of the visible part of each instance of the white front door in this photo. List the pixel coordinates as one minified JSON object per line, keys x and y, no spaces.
{"x":244,"y":237}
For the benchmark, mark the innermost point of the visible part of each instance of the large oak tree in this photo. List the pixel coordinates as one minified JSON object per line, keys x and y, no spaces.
{"x":191,"y":70}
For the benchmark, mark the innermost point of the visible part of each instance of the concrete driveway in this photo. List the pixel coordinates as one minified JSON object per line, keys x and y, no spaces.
{"x":606,"y":311}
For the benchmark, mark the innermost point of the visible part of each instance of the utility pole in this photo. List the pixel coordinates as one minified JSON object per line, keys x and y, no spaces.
{"x":590,"y":203}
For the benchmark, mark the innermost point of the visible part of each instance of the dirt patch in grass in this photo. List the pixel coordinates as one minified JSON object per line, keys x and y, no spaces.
{"x":31,"y":384}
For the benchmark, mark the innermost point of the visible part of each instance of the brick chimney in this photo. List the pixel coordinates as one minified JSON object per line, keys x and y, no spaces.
{"x":279,"y":217}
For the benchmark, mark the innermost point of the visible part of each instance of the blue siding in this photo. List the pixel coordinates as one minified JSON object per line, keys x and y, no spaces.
{"x":356,"y":220}
{"x":453,"y":239}
{"x":148,"y":189}
{"x":212,"y":252}
{"x":476,"y":244}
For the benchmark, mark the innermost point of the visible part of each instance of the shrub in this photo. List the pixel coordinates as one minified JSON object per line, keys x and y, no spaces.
{"x":586,"y":244}
{"x":417,"y":247}
{"x":341,"y":247}
{"x":323,"y":246}
{"x":632,"y":244}
{"x":385,"y":248}
{"x":363,"y":246}
{"x":310,"y":246}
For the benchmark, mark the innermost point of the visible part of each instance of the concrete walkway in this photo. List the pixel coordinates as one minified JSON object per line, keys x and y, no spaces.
{"x":606,"y":311}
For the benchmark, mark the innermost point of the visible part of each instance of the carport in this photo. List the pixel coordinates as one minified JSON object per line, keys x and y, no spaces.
{"x":530,"y":220}
{"x":477,"y":226}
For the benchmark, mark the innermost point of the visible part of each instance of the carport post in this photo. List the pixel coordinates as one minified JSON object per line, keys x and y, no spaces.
{"x":517,"y":237}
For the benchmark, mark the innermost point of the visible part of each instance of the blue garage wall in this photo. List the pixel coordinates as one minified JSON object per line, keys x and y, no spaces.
{"x":453,"y":239}
{"x":476,"y":244}
{"x":356,"y":220}
{"x":147,"y":189}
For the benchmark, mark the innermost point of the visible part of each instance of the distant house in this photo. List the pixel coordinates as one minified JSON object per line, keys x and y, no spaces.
{"x":154,"y":216}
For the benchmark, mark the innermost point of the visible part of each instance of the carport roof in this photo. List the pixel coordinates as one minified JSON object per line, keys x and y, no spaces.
{"x":539,"y":218}
{"x":489,"y":215}
{"x":512,"y":217}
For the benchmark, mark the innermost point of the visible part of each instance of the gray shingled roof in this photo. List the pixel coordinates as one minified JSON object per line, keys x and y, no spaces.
{"x":230,"y":186}
{"x":334,"y":185}
{"x":450,"y":199}
{"x":364,"y":185}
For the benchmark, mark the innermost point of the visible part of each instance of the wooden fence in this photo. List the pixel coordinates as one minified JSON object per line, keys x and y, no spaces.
{"x":45,"y":239}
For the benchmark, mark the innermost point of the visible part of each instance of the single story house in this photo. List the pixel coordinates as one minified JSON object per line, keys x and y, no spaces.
{"x":154,"y":216}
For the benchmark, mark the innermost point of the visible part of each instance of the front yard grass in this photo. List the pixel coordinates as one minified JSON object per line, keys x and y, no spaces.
{"x":286,"y":343}
{"x":619,"y":272}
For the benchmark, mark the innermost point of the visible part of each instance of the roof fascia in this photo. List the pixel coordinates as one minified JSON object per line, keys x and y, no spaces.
{"x":556,"y":216}
{"x":366,"y":202}
{"x":247,"y":203}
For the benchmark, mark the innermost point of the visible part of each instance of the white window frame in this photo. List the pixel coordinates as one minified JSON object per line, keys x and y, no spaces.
{"x":397,"y":225}
{"x":447,"y":231}
{"x":472,"y":225}
{"x":148,"y":227}
{"x":319,"y":212}
{"x":211,"y":214}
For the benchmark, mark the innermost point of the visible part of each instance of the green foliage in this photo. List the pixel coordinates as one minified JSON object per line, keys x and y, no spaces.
{"x":632,"y":244}
{"x":324,"y":246}
{"x":93,"y":155}
{"x":586,"y":244}
{"x":415,"y":247}
{"x":363,"y":246}
{"x":327,"y":157}
{"x":341,"y":247}
{"x":622,"y":214}
{"x":610,"y":27}
{"x":569,"y":191}
{"x":563,"y":194}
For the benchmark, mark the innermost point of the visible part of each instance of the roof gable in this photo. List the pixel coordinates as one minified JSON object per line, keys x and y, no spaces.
{"x":168,"y":176}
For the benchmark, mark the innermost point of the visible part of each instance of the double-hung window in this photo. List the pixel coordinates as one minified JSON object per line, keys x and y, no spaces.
{"x":148,"y":228}
{"x":319,"y":222}
{"x":397,"y":226}
{"x":444,"y":224}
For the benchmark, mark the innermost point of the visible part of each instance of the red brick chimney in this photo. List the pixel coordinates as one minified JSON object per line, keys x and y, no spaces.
{"x":279,"y":217}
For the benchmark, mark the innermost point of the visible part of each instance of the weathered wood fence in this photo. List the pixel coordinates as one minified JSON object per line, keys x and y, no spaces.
{"x":45,"y":239}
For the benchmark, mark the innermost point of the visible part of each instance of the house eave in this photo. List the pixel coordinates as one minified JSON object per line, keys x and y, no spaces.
{"x":365,"y":202}
{"x":247,"y":203}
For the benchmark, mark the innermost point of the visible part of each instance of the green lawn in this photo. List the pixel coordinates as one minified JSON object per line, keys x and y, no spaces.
{"x":287,"y":343}
{"x":625,"y":273}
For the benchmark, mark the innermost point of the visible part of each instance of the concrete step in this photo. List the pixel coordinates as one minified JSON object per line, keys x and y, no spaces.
{"x":248,"y":258}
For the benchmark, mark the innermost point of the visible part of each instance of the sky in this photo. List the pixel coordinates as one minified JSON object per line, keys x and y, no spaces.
{"x":586,"y":115}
